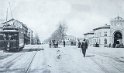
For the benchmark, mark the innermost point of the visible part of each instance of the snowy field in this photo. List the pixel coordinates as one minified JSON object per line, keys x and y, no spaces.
{"x":69,"y":59}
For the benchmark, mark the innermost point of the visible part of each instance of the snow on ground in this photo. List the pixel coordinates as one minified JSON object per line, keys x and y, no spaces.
{"x":20,"y":65}
{"x":69,"y":59}
{"x":117,"y":53}
{"x":63,"y":60}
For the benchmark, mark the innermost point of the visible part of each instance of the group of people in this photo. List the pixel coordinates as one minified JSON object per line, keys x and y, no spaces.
{"x":83,"y":45}
{"x":53,"y":43}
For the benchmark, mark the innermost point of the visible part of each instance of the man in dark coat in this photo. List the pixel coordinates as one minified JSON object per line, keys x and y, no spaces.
{"x":64,"y":43}
{"x":84,"y":47}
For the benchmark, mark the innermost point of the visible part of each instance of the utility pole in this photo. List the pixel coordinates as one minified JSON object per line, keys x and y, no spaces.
{"x":10,"y":10}
{"x":6,"y":14}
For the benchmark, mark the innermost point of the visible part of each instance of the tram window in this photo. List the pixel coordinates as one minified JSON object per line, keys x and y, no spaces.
{"x":1,"y":37}
{"x":13,"y":37}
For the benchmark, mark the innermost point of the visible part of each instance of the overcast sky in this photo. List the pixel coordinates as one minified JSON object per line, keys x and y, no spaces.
{"x":81,"y":16}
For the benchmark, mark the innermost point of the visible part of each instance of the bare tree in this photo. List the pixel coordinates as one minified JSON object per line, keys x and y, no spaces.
{"x":59,"y":33}
{"x":37,"y":39}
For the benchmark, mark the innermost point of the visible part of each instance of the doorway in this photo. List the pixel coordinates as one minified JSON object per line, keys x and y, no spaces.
{"x":117,"y":38}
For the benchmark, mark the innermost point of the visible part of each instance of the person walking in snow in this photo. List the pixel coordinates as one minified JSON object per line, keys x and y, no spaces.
{"x":50,"y":43}
{"x":79,"y":44}
{"x":84,"y":47}
{"x":64,"y":43}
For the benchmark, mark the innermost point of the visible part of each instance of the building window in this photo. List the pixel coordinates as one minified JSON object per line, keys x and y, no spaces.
{"x":99,"y":41}
{"x":100,"y":33}
{"x":105,"y":41}
{"x":105,"y":33}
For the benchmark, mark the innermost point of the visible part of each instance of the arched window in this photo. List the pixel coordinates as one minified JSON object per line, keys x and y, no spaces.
{"x":105,"y":41}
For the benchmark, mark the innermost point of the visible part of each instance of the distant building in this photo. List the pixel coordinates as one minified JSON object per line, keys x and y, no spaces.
{"x":36,"y":40}
{"x":70,"y":40}
{"x":30,"y":35}
{"x":89,"y":36}
{"x":108,"y":35}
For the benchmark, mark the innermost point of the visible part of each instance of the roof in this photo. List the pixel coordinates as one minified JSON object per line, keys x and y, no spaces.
{"x":8,"y":21}
{"x":118,"y":18}
{"x":13,"y":20}
{"x":103,"y":27}
{"x":89,"y":33}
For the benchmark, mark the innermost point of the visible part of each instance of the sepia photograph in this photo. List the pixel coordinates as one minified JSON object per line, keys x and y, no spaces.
{"x":61,"y":36}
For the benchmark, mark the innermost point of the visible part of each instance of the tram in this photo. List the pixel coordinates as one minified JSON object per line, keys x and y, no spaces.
{"x":11,"y":39}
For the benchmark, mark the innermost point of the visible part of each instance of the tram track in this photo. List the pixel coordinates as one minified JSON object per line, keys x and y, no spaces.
{"x":29,"y":65}
{"x":8,"y":66}
{"x":9,"y":63}
{"x":100,"y":66}
{"x":5,"y":56}
{"x":115,"y":62}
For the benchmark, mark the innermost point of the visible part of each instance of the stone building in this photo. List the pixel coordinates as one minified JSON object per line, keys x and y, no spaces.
{"x":30,"y":35}
{"x":108,"y":35}
{"x":117,"y":31}
{"x":102,"y":36}
{"x":90,"y":37}
{"x":70,"y":40}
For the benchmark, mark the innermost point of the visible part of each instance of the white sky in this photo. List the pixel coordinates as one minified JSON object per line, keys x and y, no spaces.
{"x":81,"y":16}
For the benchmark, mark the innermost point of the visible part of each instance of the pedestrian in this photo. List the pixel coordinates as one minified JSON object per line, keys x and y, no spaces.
{"x":79,"y":44}
{"x":64,"y":43}
{"x":54,"y":43}
{"x":84,"y":47}
{"x":50,"y":43}
{"x":57,"y":44}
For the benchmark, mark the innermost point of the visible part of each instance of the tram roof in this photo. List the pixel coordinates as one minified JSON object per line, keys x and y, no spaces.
{"x":14,"y":21}
{"x":8,"y":31}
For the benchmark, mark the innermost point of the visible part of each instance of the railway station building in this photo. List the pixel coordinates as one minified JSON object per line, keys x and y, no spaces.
{"x":108,"y":35}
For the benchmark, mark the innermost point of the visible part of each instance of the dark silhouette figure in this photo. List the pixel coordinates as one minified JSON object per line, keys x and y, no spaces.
{"x":79,"y":44}
{"x":96,"y":45}
{"x":50,"y":43}
{"x":53,"y":42}
{"x":57,"y":44}
{"x":84,"y":47}
{"x":64,"y":43}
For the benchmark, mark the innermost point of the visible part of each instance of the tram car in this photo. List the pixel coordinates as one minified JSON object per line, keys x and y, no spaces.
{"x":11,"y":39}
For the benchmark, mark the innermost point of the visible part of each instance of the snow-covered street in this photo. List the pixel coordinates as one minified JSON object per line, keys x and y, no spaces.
{"x":69,"y":59}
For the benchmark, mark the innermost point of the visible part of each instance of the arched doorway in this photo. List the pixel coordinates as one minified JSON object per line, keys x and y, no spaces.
{"x":117,"y":37}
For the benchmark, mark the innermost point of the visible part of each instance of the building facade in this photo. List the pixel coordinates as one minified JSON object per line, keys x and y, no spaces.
{"x":30,"y":35}
{"x":102,"y":36}
{"x":89,"y":36}
{"x":70,"y":40}
{"x":108,"y":35}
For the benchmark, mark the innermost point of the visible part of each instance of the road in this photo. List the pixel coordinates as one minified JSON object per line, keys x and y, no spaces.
{"x":69,"y":59}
